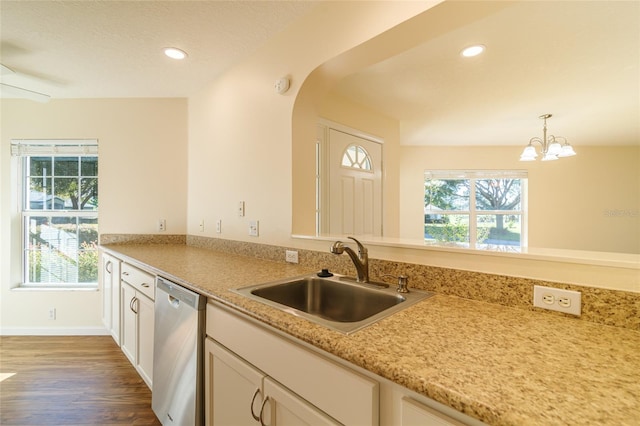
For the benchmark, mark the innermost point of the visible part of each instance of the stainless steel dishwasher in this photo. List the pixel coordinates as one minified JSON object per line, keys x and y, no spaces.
{"x":178,"y":377}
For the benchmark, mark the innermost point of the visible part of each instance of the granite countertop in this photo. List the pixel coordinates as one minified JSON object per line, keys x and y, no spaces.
{"x":504,"y":366}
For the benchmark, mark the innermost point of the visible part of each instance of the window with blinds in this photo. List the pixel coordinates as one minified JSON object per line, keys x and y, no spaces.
{"x":59,"y":208}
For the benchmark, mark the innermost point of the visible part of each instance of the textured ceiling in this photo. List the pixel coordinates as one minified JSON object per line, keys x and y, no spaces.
{"x":95,"y":49}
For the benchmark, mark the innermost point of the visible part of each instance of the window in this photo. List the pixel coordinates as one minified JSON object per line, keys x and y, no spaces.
{"x":59,"y":188}
{"x":476,"y":209}
{"x":356,"y":157}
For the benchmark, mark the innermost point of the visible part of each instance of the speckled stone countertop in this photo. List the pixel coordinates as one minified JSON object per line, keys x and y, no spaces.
{"x":501,"y":365}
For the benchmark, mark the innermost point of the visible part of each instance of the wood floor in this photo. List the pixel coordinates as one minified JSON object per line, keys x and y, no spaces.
{"x":70,"y":380}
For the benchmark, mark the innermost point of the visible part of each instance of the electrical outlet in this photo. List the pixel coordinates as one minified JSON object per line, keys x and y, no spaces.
{"x":291,"y":256}
{"x":253,"y":228}
{"x":201,"y":225}
{"x":556,"y":299}
{"x":219,"y":226}
{"x":162,"y":225}
{"x":52,"y":313}
{"x":241,"y":208}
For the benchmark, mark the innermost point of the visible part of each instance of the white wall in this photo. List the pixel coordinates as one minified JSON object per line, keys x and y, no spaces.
{"x":142,"y":147}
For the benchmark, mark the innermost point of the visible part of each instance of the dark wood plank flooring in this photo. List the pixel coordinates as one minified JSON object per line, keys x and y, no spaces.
{"x":70,"y":380}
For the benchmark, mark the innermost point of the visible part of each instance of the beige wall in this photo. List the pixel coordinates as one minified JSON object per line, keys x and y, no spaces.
{"x":588,"y":202}
{"x":240,"y":129}
{"x":142,"y":147}
{"x":570,"y":200}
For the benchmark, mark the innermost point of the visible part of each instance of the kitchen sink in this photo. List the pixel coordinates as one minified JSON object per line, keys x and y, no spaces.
{"x":337,"y":302}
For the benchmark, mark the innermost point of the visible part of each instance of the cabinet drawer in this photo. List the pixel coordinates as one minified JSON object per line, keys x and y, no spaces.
{"x":322,"y":382}
{"x":138,"y":279}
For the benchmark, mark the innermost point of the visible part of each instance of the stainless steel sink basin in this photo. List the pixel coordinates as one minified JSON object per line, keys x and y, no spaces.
{"x":337,"y":302}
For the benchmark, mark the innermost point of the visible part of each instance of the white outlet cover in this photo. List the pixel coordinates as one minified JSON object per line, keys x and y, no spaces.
{"x":567,"y":301}
{"x":291,"y":256}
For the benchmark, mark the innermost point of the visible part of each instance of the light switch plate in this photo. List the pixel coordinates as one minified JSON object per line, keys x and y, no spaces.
{"x":253,"y":228}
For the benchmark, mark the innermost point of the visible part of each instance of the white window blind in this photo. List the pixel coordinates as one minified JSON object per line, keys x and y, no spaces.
{"x":475,"y":174}
{"x":53,"y":147}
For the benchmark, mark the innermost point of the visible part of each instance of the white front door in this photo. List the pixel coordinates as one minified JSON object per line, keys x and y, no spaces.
{"x":355,"y":185}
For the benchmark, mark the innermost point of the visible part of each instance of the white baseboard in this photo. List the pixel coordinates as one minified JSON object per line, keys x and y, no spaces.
{"x":57,"y":331}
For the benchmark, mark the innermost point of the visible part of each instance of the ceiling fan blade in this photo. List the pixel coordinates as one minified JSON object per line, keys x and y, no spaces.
{"x":9,"y":91}
{"x":6,"y":70}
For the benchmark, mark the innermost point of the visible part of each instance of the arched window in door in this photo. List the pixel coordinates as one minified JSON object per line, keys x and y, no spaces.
{"x":356,"y":157}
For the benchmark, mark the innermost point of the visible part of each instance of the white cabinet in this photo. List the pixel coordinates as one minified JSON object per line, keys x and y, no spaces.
{"x":110,"y":279}
{"x":235,"y":389}
{"x":137,"y":318}
{"x":298,"y":386}
{"x":281,"y":407}
{"x":242,"y":395}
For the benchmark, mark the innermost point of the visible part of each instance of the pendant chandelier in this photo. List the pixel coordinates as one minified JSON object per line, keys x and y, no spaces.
{"x":552,"y":147}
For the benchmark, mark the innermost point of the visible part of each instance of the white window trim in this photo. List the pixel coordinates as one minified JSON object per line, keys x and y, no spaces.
{"x":474,"y":175}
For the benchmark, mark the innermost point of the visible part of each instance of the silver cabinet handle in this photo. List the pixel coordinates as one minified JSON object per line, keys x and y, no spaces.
{"x":262,"y":411}
{"x":131,"y":304}
{"x":107,"y":267}
{"x":253,"y":400}
{"x":145,"y":285}
{"x":125,"y":273}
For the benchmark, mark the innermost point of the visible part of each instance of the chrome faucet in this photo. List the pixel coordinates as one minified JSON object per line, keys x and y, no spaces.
{"x":360,"y":260}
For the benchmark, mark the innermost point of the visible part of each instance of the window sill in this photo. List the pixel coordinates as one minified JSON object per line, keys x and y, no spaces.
{"x":47,"y":288}
{"x":593,"y":258}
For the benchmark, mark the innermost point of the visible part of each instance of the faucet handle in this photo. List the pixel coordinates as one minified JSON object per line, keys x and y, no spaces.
{"x":403,"y":282}
{"x":361,"y":249}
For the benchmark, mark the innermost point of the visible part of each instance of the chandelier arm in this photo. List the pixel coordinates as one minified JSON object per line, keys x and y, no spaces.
{"x":543,"y":145}
{"x":561,"y":139}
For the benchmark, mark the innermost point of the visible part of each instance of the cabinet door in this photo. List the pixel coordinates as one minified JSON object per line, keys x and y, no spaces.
{"x":107,"y":294}
{"x":235,"y":389}
{"x":417,"y":414}
{"x":145,"y":321}
{"x":284,"y":408}
{"x":129,"y":327}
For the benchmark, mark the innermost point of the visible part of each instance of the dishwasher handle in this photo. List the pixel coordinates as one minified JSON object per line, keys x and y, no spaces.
{"x":178,"y":295}
{"x":173,"y":301}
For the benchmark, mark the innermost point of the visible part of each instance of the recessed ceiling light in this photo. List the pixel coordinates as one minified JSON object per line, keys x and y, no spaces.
{"x":473,"y":51}
{"x":175,"y":53}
